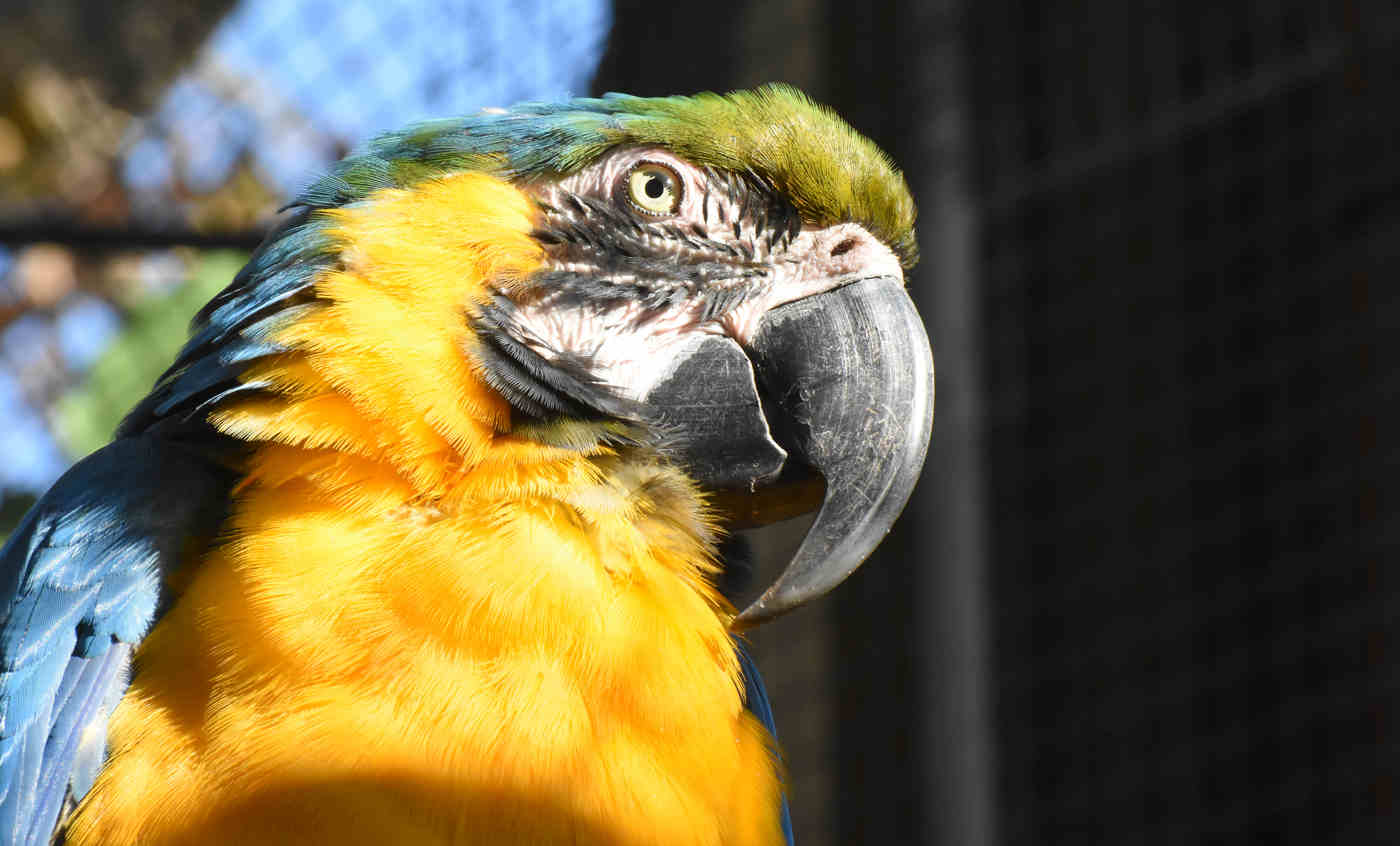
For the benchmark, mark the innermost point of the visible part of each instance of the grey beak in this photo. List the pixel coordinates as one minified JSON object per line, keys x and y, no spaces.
{"x":851,"y":374}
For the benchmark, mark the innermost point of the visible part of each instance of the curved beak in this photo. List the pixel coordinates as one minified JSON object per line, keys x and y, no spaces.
{"x":840,"y":383}
{"x":849,"y":374}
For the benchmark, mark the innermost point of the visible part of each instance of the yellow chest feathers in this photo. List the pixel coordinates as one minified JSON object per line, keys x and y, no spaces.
{"x":529,"y":671}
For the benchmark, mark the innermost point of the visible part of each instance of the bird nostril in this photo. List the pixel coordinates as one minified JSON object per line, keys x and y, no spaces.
{"x":845,"y":246}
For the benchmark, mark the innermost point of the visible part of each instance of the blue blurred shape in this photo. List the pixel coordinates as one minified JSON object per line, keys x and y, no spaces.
{"x":32,"y":458}
{"x":24,"y":343}
{"x":84,"y":328}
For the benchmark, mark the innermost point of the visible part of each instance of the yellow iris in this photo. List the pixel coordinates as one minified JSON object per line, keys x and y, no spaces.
{"x":654,"y":188}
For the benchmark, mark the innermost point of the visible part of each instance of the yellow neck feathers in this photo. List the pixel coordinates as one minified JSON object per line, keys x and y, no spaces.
{"x":421,"y":629}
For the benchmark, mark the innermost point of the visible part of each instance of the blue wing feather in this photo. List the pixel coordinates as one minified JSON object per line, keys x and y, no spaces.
{"x":80,"y":582}
{"x":77,"y":737}
{"x":81,"y":577}
{"x":756,"y":700}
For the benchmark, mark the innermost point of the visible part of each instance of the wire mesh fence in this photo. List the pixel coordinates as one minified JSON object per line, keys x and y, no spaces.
{"x":1184,"y":227}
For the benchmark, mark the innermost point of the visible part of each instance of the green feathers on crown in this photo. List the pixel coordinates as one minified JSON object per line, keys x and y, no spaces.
{"x":774,"y":134}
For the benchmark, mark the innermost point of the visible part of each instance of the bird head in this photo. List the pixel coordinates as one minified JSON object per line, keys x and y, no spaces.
{"x":719,"y":278}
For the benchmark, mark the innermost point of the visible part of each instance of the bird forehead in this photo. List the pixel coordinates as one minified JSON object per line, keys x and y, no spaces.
{"x":808,"y":153}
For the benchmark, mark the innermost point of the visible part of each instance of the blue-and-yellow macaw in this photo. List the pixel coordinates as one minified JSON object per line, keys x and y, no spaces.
{"x":415,"y":541}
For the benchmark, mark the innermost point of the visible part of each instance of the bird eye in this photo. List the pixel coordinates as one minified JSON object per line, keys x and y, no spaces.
{"x":654,"y":189}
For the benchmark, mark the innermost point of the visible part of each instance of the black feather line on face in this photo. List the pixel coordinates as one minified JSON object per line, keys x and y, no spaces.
{"x":536,"y":387}
{"x":512,"y":379}
{"x":604,"y":235}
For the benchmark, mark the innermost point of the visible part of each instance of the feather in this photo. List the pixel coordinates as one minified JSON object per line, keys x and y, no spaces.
{"x":81,"y":573}
{"x":756,"y":701}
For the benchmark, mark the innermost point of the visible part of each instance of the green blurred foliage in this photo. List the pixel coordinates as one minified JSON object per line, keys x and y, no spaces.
{"x":156,"y":328}
{"x":13,"y":505}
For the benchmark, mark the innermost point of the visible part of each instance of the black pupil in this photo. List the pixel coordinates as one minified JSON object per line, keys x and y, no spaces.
{"x":655,"y":186}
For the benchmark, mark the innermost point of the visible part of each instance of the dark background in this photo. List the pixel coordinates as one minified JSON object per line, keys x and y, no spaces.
{"x":1139,"y":596}
{"x":1142,"y":597}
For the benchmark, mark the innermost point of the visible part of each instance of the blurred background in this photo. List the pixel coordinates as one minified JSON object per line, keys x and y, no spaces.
{"x":1138,"y":597}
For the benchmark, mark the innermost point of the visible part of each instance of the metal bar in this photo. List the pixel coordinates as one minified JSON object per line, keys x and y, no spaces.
{"x":86,"y":235}
{"x":958,"y":755}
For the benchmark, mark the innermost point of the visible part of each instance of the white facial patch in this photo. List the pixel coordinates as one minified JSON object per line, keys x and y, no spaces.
{"x":628,"y":350}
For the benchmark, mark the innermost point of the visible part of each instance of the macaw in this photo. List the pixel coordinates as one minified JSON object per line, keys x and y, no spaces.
{"x":416,"y":541}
